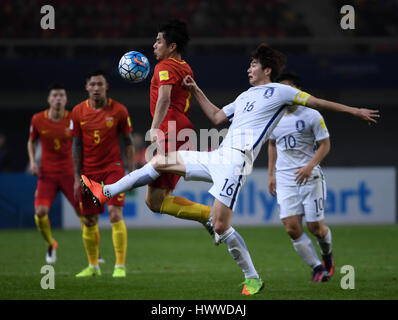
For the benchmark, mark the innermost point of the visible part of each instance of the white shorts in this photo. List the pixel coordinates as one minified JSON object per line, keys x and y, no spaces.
{"x":308,"y":199}
{"x":224,"y":167}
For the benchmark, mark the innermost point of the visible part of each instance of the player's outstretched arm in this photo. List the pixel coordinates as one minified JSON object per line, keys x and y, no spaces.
{"x":364,"y":114}
{"x":215,"y":114}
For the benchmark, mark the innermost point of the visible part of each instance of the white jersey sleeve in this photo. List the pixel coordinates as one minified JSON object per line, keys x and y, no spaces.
{"x":229,"y":110}
{"x":293,"y":96}
{"x":319,"y":127}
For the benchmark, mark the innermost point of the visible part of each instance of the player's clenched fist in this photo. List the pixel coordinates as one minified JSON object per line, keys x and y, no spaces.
{"x":189,"y":83}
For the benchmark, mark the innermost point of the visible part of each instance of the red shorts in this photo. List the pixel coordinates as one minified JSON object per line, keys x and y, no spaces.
{"x":170,"y":180}
{"x":49,"y":185}
{"x":87,"y":206}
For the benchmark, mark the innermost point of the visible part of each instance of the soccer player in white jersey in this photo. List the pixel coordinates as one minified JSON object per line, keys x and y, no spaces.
{"x":296,"y":147}
{"x":253,"y":116}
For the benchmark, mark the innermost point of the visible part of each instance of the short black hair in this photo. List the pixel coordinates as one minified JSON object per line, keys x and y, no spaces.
{"x":270,"y":58}
{"x":175,"y":31}
{"x":56,"y":86}
{"x":291,"y":77}
{"x":96,"y":72}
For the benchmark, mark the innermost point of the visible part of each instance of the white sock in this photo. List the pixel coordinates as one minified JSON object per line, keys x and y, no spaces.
{"x":238,"y":250}
{"x":325,"y":243}
{"x":134,"y":179}
{"x":306,"y":250}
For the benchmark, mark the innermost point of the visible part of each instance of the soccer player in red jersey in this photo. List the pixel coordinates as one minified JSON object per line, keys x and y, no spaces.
{"x":170,"y":107}
{"x":97,"y":124}
{"x":52,"y":127}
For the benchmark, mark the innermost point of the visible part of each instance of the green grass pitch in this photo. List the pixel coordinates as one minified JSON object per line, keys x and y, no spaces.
{"x":184,"y":264}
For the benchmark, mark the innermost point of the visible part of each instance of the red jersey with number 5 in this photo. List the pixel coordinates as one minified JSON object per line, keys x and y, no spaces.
{"x":100,"y":130}
{"x":56,"y":142}
{"x":172,"y":71}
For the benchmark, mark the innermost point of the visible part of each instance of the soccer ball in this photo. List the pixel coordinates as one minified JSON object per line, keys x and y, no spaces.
{"x":134,"y":66}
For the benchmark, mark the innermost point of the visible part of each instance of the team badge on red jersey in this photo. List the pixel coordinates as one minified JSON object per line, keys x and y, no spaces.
{"x":109,"y":122}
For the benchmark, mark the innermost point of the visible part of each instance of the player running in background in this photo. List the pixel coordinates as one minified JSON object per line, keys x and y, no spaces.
{"x":170,"y":107}
{"x":254,"y":114}
{"x":97,"y":124}
{"x":297,"y":180}
{"x":51,"y":127}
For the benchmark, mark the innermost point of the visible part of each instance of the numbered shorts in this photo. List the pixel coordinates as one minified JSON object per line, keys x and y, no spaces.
{"x":87,"y":206}
{"x":307,"y":199}
{"x":49,"y":185}
{"x":224,"y":167}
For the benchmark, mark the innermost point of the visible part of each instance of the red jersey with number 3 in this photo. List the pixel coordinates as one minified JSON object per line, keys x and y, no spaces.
{"x":100,"y":129}
{"x":56,"y":142}
{"x":172,"y":71}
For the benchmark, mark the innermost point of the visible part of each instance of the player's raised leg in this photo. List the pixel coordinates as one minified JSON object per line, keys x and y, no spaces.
{"x":323,"y":236}
{"x":158,"y":199}
{"x":236,"y":247}
{"x":137,"y":178}
{"x":304,"y":247}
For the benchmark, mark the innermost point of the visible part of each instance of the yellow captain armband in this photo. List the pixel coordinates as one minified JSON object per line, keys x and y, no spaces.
{"x":163,"y":75}
{"x":301,"y":98}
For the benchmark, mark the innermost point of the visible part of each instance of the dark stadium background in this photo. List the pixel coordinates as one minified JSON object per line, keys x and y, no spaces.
{"x":356,"y":67}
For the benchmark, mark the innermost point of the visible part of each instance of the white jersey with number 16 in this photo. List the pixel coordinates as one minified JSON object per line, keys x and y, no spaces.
{"x":255,"y":113}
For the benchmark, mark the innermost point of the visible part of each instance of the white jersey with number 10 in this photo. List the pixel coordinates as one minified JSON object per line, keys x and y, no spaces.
{"x":296,"y":135}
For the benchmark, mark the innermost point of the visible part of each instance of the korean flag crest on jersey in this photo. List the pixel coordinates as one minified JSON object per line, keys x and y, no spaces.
{"x":109,"y":122}
{"x":300,"y":125}
{"x":269,"y":92}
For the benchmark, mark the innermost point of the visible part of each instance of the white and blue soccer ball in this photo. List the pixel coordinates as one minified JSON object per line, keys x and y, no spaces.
{"x":134,"y":66}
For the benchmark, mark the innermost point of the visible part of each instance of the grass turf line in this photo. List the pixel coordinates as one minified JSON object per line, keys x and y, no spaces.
{"x":184,"y":264}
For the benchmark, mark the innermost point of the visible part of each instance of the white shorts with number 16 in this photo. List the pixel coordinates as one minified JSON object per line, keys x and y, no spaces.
{"x":223,"y":167}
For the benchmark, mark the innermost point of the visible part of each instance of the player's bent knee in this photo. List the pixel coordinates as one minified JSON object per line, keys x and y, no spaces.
{"x":153,"y":205}
{"x":115,"y":214}
{"x":154,"y":198}
{"x":315,"y":228}
{"x":318,"y":233}
{"x":41,"y":211}
{"x":90,"y":221}
{"x":220,"y":228}
{"x":293,"y":231}
{"x":159,"y":162}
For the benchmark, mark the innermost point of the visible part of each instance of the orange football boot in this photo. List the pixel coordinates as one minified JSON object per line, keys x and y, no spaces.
{"x":94,"y":189}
